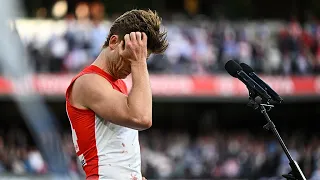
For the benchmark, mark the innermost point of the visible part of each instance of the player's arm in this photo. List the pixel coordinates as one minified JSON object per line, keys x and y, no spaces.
{"x":135,"y":110}
{"x":95,"y":93}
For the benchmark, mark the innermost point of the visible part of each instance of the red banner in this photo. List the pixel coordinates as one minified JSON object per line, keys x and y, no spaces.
{"x":174,"y":85}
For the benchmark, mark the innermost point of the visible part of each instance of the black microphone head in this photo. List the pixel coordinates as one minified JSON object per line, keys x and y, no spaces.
{"x":232,"y":68}
{"x":246,"y":68}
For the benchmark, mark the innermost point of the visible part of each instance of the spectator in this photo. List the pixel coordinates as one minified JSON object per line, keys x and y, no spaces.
{"x":36,"y":162}
{"x":58,"y":49}
{"x":177,"y":155}
{"x":99,"y":30}
{"x":200,"y":47}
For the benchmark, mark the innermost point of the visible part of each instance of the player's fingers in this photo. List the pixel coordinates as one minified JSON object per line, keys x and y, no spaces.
{"x":143,"y":178}
{"x":133,"y":37}
{"x":138,"y":36}
{"x":144,"y":38}
{"x":127,"y":41}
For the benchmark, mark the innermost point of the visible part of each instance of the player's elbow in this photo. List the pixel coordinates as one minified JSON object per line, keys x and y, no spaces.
{"x":147,"y":123}
{"x":144,"y":123}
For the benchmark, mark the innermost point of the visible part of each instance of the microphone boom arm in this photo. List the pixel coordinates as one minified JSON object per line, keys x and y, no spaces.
{"x":264,"y":106}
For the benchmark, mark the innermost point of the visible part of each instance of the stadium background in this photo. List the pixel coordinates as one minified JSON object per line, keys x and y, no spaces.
{"x":202,"y":128}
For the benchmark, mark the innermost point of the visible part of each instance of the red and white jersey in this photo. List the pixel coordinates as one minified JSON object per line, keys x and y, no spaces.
{"x":105,"y":150}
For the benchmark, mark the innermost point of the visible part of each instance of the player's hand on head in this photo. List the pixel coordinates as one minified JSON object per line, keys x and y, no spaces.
{"x":135,"y":48}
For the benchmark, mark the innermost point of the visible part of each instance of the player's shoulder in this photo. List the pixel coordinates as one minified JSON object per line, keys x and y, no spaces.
{"x":90,"y":82}
{"x":91,"y":79}
{"x":88,"y":88}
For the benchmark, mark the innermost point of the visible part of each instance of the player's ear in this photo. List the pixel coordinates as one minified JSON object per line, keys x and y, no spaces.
{"x":114,"y":41}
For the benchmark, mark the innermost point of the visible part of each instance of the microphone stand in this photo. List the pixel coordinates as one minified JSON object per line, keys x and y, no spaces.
{"x":264,"y":106}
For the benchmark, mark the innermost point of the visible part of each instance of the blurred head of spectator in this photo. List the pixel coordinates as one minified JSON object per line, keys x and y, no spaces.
{"x":82,"y":11}
{"x":97,"y":11}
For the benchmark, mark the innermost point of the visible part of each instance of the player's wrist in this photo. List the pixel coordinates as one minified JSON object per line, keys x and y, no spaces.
{"x":140,"y":63}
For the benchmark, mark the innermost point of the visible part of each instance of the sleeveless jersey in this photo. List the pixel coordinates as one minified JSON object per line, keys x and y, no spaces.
{"x":105,"y":150}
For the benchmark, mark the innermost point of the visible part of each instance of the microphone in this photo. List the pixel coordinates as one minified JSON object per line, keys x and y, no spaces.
{"x":247,"y":69}
{"x":235,"y":70}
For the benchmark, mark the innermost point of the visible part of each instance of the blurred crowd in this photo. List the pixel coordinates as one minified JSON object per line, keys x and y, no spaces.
{"x":177,"y":155}
{"x":197,"y":46}
{"x":226,"y":155}
{"x":18,"y":156}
